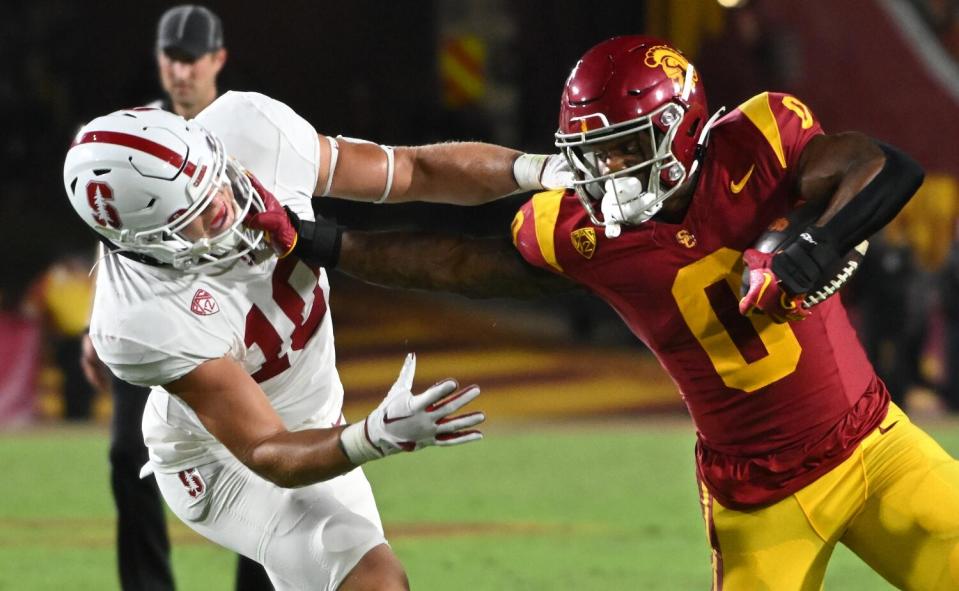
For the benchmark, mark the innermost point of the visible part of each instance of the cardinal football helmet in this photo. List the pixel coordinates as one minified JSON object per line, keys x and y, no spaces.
{"x":632,"y":88}
{"x":138,"y":177}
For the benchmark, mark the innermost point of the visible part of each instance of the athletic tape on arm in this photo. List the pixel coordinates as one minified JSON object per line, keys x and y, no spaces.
{"x":390,"y":168}
{"x":334,"y":154}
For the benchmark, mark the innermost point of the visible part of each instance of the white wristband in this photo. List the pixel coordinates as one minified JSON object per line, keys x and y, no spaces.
{"x":528,"y":170}
{"x":357,"y":446}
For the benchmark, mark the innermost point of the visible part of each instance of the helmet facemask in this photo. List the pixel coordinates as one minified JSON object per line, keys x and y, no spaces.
{"x":634,"y":193}
{"x":233,"y":242}
{"x":632,"y":124}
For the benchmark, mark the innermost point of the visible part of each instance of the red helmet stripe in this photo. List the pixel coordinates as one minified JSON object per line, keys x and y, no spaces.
{"x":140,"y":144}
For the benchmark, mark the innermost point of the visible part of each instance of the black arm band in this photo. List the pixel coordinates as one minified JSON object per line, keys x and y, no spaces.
{"x":318,"y":242}
{"x":878,"y":202}
{"x":803,"y":259}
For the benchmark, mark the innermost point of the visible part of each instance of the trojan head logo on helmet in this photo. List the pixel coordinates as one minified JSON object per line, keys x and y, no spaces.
{"x":639,"y":98}
{"x":140,"y":177}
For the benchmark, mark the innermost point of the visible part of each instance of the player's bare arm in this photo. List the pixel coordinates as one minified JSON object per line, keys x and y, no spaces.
{"x":836,"y":167}
{"x":858,"y":185}
{"x":474,"y":267}
{"x":865,"y":182}
{"x":237,"y":412}
{"x":466,"y":173}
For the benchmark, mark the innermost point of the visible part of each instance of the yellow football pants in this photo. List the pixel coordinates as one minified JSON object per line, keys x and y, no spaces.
{"x":894,"y":502}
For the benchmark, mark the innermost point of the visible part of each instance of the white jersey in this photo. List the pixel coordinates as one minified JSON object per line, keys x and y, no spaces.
{"x":152,"y":325}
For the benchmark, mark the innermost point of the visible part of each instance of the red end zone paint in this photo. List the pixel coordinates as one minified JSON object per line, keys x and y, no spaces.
{"x":140,"y":144}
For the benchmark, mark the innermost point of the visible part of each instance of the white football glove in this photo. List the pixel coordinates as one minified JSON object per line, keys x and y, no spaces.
{"x":542,"y":171}
{"x":407,"y":422}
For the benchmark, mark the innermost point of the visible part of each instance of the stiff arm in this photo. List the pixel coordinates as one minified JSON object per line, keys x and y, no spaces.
{"x":473,"y":267}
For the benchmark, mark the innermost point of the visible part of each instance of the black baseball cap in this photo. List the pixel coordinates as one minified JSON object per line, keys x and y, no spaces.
{"x":189,"y":30}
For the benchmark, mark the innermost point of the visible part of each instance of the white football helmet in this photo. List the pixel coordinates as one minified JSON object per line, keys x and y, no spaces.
{"x":140,"y":176}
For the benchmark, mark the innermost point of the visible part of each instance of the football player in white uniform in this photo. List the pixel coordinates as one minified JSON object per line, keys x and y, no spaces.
{"x":230,"y":324}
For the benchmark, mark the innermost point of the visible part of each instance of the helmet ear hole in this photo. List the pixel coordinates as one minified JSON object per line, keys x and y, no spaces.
{"x":694,"y":127}
{"x":73,"y":185}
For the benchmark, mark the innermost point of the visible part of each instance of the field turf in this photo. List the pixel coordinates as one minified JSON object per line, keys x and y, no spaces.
{"x":534,"y":506}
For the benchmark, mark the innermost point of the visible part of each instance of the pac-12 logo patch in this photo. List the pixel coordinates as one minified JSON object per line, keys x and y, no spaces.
{"x":192,"y":481}
{"x":584,"y":241}
{"x":203,"y":303}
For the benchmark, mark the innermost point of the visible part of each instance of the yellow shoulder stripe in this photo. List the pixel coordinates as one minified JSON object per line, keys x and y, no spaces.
{"x":518,"y":220}
{"x":758,"y":111}
{"x":546,"y":212}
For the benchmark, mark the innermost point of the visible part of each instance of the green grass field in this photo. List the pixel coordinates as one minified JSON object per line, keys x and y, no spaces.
{"x":578,"y":506}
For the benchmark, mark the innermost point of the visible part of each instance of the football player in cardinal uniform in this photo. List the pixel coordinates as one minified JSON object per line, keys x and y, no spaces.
{"x":798,"y":446}
{"x":214,"y":294}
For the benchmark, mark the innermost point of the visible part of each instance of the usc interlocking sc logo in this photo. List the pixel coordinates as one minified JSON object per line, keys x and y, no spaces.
{"x":672,"y":62}
{"x":584,"y":241}
{"x":686,"y":238}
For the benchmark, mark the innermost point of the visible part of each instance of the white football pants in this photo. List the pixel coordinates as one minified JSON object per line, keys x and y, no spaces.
{"x":307,"y":538}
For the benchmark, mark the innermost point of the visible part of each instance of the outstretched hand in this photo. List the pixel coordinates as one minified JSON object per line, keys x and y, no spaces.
{"x":407,"y":422}
{"x":533,"y":172}
{"x":556,"y":173}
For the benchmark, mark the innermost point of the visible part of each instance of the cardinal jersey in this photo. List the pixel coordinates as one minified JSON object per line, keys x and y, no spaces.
{"x":152,"y":325}
{"x":775,"y":405}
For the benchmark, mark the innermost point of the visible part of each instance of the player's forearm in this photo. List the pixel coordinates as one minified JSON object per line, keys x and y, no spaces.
{"x":299,"y":458}
{"x":862,"y":184}
{"x":466,"y":173}
{"x":474,"y":267}
{"x":876,"y":193}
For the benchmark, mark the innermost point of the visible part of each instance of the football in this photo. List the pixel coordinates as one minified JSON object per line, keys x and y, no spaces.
{"x":783,"y":229}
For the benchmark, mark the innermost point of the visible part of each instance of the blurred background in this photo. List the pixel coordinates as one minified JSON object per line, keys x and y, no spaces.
{"x":403,"y":72}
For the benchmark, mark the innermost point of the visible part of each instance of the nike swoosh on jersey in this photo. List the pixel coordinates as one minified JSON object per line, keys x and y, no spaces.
{"x":737,"y":187}
{"x":883,"y":431}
